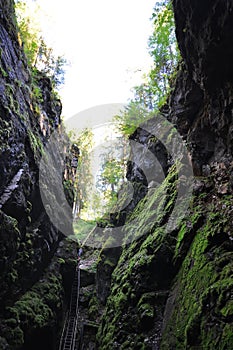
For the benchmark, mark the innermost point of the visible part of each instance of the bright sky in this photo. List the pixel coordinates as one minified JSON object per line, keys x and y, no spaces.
{"x":105,"y":42}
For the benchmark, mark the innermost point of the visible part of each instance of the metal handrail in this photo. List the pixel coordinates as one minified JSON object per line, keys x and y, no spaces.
{"x":63,"y":330}
{"x":70,"y":328}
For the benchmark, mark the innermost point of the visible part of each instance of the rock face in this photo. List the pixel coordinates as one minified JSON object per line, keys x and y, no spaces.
{"x":201,"y":105}
{"x":173,"y":290}
{"x":21,"y":146}
{"x":168,"y":288}
{"x":29,"y":112}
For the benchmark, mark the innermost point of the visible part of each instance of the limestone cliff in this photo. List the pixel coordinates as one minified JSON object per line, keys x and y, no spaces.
{"x":31,"y":298}
{"x":175,"y":290}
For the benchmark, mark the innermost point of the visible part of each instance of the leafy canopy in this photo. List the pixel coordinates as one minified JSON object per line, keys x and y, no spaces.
{"x":151,"y":95}
{"x":39,"y":55}
{"x":84,"y":178}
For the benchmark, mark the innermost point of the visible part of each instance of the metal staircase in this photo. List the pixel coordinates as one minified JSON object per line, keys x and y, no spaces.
{"x":69,"y":334}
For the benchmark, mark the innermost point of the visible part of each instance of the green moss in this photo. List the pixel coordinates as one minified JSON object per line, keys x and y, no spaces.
{"x":203,"y":287}
{"x":3,"y":72}
{"x":201,"y":311}
{"x":15,"y":335}
{"x":61,"y":261}
{"x":13,"y":104}
{"x":32,"y":311}
{"x":146,"y":311}
{"x":187,"y":228}
{"x":93,"y":308}
{"x":108,"y":339}
{"x":36,"y":309}
{"x":227,"y":337}
{"x":109,"y":262}
{"x":134,"y":267}
{"x":12,"y":322}
{"x":133,"y":344}
{"x":36,"y":144}
{"x":12,"y":276}
{"x":50,"y":290}
{"x":153,"y":208}
{"x":227,"y":310}
{"x":37,"y":93}
{"x":120,"y":300}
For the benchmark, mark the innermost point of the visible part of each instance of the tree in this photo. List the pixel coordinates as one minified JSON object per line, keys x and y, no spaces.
{"x":29,"y":31}
{"x":150,"y":96}
{"x":134,"y":114}
{"x":112,"y":172}
{"x":39,"y":55}
{"x":49,"y":64}
{"x":163,"y":48}
{"x":84,"y":178}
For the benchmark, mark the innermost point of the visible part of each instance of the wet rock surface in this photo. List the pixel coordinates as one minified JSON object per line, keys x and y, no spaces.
{"x":35,"y":319}
{"x":166,"y":289}
{"x":28,"y":240}
{"x":201,"y":104}
{"x":173,"y":290}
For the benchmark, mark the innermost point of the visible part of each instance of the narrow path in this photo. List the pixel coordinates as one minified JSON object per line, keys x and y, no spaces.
{"x":69,"y":334}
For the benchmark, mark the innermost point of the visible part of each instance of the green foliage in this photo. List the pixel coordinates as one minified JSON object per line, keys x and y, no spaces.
{"x":29,"y":32}
{"x":202,"y":310}
{"x":133,"y":271}
{"x":37,"y":92}
{"x":93,"y":308}
{"x":83,"y":176}
{"x":151,"y":95}
{"x":110,"y":178}
{"x":131,"y":118}
{"x":32,"y":310}
{"x":36,"y":144}
{"x":3,"y":72}
{"x":111,"y":175}
{"x":82,"y":228}
{"x":49,"y":64}
{"x":37,"y":308}
{"x":38,"y":54}
{"x":164,"y":50}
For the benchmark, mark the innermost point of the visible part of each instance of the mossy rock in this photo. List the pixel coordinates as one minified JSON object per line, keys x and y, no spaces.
{"x":32,"y":311}
{"x":14,"y":336}
{"x":202,"y":310}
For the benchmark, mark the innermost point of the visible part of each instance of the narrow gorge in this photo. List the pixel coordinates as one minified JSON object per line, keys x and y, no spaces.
{"x":168,"y":289}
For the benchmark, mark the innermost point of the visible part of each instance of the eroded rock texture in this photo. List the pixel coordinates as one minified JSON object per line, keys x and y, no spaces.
{"x":201,"y":105}
{"x":29,"y":113}
{"x":174,"y":290}
{"x":167,"y":289}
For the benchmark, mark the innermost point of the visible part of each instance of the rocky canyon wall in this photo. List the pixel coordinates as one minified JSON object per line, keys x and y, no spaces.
{"x":174,"y":290}
{"x":31,"y":278}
